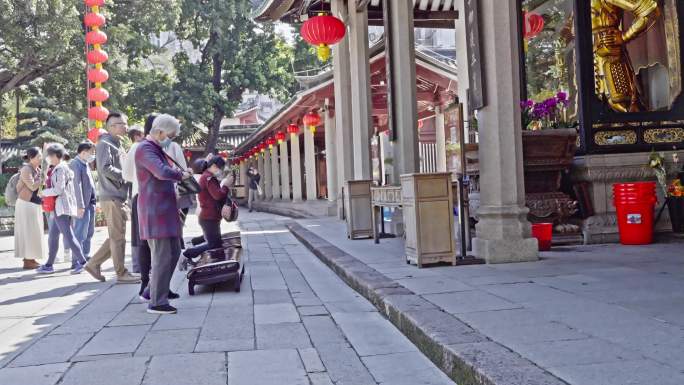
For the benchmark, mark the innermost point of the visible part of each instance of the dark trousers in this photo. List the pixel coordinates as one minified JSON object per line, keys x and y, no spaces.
{"x":165,"y":253}
{"x":212,"y":237}
{"x":145,"y":261}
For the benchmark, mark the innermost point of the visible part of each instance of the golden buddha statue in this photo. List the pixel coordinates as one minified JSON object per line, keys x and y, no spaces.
{"x":614,"y":75}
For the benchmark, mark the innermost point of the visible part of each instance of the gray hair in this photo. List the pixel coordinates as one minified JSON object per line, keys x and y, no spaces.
{"x":167,"y":124}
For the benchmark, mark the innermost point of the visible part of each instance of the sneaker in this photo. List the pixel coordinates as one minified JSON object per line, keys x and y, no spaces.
{"x":173,"y":295}
{"x":77,"y":270}
{"x":95,"y":272}
{"x":161,"y":309}
{"x":45,"y":270}
{"x":145,"y":296}
{"x":128,"y":278}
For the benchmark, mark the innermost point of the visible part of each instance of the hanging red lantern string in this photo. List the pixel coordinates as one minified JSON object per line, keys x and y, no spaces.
{"x":311,"y":120}
{"x":280,"y":137}
{"x":323,"y":31}
{"x":95,"y":57}
{"x":293,"y":129}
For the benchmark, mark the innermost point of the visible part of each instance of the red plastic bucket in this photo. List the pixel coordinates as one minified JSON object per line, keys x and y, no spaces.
{"x":544,"y":234}
{"x":634,"y":203}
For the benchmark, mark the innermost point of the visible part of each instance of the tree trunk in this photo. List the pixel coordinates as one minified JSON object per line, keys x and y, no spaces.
{"x":215,"y":125}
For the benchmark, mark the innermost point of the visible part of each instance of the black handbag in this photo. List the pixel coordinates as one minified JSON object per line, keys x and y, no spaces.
{"x":36,"y":199}
{"x":187,"y":186}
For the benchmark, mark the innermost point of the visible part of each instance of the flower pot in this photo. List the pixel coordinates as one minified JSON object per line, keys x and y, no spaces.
{"x":676,"y":207}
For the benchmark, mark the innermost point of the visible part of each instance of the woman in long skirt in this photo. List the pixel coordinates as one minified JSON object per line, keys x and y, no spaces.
{"x":28,"y":213}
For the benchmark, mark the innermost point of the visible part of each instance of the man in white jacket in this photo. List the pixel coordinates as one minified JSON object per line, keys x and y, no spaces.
{"x":136,"y":135}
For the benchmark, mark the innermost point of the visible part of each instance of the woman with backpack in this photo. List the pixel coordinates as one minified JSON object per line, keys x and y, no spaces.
{"x":59,"y":201}
{"x":28,"y":216}
{"x":214,"y":189}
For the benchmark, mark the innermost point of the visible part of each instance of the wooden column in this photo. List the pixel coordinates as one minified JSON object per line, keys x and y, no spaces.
{"x":275,"y":172}
{"x":284,"y":172}
{"x":296,"y":168}
{"x":310,"y":165}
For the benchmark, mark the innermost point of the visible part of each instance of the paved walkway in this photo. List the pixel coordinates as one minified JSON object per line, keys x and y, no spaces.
{"x":294,"y":323}
{"x":589,"y":315}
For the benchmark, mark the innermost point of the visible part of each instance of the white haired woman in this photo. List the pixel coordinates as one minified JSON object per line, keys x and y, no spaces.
{"x":158,"y":217}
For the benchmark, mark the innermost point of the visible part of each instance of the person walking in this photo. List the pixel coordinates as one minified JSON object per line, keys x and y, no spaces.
{"x":60,"y":189}
{"x":214,"y":189}
{"x":28,"y":214}
{"x":113,"y":192}
{"x":84,"y":187}
{"x":254,"y":179}
{"x":160,"y":224}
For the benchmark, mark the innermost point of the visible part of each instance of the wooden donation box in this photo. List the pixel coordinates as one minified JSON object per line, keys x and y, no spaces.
{"x":357,"y":205}
{"x":428,"y":218}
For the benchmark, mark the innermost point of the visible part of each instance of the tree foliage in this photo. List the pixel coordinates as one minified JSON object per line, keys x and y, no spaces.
{"x":215,"y":52}
{"x":235,"y":54}
{"x":42,"y":124}
{"x":36,"y":38}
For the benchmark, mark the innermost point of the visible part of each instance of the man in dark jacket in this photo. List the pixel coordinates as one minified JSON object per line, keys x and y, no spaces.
{"x":158,"y":217}
{"x":84,"y":187}
{"x":113,"y":192}
{"x":254,"y":179}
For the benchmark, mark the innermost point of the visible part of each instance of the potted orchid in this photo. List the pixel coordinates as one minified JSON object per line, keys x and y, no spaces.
{"x":549,"y":143}
{"x":549,"y":113}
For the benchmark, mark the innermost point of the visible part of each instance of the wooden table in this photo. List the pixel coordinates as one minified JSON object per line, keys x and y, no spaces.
{"x":385,"y":196}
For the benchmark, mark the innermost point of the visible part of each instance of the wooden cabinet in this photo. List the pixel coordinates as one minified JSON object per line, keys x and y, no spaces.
{"x":357,"y":205}
{"x":428,"y":218}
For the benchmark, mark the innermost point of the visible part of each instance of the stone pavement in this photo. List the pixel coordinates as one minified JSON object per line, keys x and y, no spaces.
{"x":587,"y":315}
{"x":294,"y":322}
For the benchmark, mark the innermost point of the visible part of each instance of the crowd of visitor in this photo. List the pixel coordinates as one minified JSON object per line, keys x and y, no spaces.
{"x":141,"y":182}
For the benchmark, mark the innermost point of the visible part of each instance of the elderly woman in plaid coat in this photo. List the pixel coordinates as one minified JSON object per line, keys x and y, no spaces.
{"x":158,"y":217}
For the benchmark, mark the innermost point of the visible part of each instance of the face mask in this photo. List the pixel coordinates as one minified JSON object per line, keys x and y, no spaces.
{"x":165,"y":143}
{"x":90,"y":159}
{"x":218,"y":174}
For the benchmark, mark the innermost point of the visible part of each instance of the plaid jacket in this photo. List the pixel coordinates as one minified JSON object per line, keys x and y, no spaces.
{"x":157,"y":209}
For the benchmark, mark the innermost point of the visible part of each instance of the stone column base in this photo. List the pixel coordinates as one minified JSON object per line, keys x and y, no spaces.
{"x":503,"y":235}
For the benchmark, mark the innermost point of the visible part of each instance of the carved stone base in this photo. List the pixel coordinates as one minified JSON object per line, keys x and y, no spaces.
{"x":503,"y":235}
{"x":602,"y":171}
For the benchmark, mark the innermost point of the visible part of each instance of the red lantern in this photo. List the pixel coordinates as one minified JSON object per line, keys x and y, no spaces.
{"x":94,"y":3}
{"x":98,"y":94}
{"x":97,"y":56}
{"x":261,"y":147}
{"x":94,"y":134}
{"x":94,"y":19}
{"x":533,"y":24}
{"x":323,"y":31}
{"x":280,"y":137}
{"x":98,"y":75}
{"x":293,"y":129}
{"x":270,"y":142}
{"x":187,"y":154}
{"x":223,"y":154}
{"x":311,"y":120}
{"x":98,"y":113}
{"x":96,"y":37}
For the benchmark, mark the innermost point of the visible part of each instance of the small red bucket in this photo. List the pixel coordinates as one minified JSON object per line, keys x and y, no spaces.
{"x":544,"y":233}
